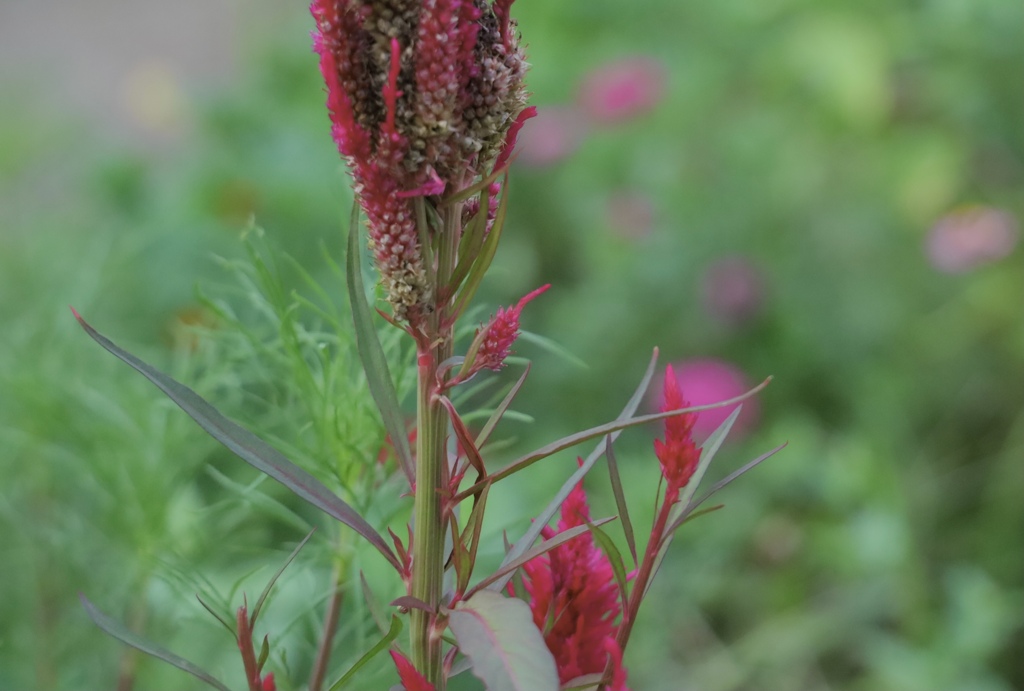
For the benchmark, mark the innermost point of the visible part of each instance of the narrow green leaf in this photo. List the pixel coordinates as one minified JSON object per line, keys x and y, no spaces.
{"x":526,"y":541}
{"x":484,"y":183}
{"x":216,"y":616}
{"x":248,"y":446}
{"x":371,"y":353}
{"x":125,"y":635}
{"x":382,"y":645}
{"x":474,"y":527}
{"x":470,"y":243}
{"x":499,"y":412}
{"x":273,"y":580}
{"x":423,"y":232}
{"x":620,"y":499}
{"x":587,"y":681}
{"x":505,"y":649}
{"x":553,"y":347}
{"x":708,"y":451}
{"x":484,"y":258}
{"x":737,"y":473}
{"x":607,"y":428}
{"x":692,"y":505}
{"x":371,"y":602}
{"x":497,"y":580}
{"x":614,"y":558}
{"x":460,"y":559}
{"x":264,"y":653}
{"x":264,"y":502}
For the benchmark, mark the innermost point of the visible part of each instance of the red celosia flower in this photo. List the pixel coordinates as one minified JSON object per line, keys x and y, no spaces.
{"x":574,"y":599}
{"x":501,"y":333}
{"x":268,"y":683}
{"x":678,"y":454}
{"x":411,"y":678}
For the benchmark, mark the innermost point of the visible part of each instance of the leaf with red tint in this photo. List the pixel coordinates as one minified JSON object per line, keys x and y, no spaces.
{"x":411,"y":678}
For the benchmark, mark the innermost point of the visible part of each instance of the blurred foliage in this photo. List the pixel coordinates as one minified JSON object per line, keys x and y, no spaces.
{"x":819,"y":141}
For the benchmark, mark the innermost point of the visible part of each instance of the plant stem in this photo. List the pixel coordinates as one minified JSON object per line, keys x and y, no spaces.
{"x":643,"y":577}
{"x":431,"y":457}
{"x":323,"y":653}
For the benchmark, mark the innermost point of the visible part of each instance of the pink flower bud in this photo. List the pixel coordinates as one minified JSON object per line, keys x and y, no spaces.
{"x":501,"y":333}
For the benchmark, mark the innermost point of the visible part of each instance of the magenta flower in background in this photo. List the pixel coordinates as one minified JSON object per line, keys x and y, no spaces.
{"x":970,"y":237}
{"x":622,"y":90}
{"x":733,"y":290}
{"x":551,"y":137}
{"x":630,"y":214}
{"x":707,"y":380}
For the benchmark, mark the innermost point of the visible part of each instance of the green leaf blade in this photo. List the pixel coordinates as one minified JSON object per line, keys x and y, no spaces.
{"x":129,"y":637}
{"x":248,"y":446}
{"x":371,"y":354}
{"x":382,"y":644}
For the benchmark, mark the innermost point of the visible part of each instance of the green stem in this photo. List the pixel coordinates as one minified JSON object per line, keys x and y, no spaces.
{"x":431,"y":457}
{"x":643,"y":577}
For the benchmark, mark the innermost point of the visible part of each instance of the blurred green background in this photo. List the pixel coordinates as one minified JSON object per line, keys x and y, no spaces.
{"x":827,"y":192}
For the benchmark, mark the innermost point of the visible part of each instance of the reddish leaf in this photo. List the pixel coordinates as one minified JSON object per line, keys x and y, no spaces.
{"x":411,"y":678}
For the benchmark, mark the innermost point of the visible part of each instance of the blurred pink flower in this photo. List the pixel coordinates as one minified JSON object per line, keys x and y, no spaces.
{"x":970,"y":237}
{"x":553,"y":135}
{"x":732,"y":290}
{"x":630,"y":214}
{"x":622,"y":90}
{"x":707,"y":380}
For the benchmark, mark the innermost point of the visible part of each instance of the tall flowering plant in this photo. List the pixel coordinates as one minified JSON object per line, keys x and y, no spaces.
{"x":425,"y":99}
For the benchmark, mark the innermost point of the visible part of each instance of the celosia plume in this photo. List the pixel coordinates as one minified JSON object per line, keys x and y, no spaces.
{"x":500,"y":333}
{"x":421,"y":95}
{"x":678,"y":454}
{"x":574,"y":599}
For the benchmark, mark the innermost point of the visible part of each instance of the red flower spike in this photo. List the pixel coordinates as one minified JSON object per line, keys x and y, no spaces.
{"x":501,"y":333}
{"x":678,"y":454}
{"x":574,"y":599}
{"x":268,"y":684}
{"x":411,"y":678}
